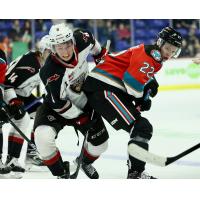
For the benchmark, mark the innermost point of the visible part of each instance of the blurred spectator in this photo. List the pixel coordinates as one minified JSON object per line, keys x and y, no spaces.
{"x":110,"y":32}
{"x":6,"y":46}
{"x":185,"y":51}
{"x":192,"y":41}
{"x":26,"y":33}
{"x":40,"y":25}
{"x":19,"y":32}
{"x":15,"y":32}
{"x":123,"y":32}
{"x":184,"y":23}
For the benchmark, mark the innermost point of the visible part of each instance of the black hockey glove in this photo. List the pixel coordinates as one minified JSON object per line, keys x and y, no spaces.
{"x":16,"y":108}
{"x":151,"y":86}
{"x":100,"y":56}
{"x":143,"y":104}
{"x":146,"y":105}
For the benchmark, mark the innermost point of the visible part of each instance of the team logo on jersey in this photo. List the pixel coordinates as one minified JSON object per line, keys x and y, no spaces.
{"x":156,"y":55}
{"x":30,"y":69}
{"x":55,"y":77}
{"x":71,"y":76}
{"x":51,"y":118}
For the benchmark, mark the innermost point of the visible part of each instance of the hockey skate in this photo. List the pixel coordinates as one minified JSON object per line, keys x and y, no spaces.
{"x":4,"y":169}
{"x":137,"y":175}
{"x":88,"y":169}
{"x":66,"y":174}
{"x":13,"y":163}
{"x":32,"y":158}
{"x":16,"y":169}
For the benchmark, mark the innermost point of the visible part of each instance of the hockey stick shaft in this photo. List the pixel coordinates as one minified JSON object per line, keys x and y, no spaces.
{"x":146,"y":156}
{"x":17,"y":128}
{"x":32,"y":103}
{"x":80,"y":158}
{"x":184,"y":153}
{"x":21,"y":133}
{"x":75,"y":174}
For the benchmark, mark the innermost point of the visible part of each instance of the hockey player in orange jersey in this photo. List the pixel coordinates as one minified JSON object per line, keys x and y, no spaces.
{"x":121,"y":83}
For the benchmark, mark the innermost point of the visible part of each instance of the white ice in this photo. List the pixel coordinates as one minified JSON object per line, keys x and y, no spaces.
{"x":175,"y":116}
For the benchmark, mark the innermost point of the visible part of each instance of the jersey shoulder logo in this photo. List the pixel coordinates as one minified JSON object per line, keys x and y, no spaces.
{"x":156,"y":55}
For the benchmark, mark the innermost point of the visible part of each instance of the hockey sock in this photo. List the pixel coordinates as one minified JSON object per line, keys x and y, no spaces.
{"x":55,"y":165}
{"x":29,"y":148}
{"x":14,"y":146}
{"x":135,"y":164}
{"x":88,"y":158}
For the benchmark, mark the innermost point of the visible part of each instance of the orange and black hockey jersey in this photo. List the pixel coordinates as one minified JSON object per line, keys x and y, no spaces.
{"x":131,"y":69}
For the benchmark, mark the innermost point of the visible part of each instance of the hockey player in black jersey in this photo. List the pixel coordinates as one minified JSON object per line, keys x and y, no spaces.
{"x":22,"y":77}
{"x":3,"y":65}
{"x":65,"y":104}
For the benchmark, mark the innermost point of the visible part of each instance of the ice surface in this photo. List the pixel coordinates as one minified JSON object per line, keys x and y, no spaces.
{"x":175,"y":116}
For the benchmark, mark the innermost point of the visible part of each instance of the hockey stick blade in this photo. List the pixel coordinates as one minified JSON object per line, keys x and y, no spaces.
{"x":142,"y":154}
{"x":145,"y":156}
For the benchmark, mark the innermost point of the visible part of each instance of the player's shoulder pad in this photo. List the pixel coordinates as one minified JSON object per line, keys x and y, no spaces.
{"x":154,"y":52}
{"x":45,"y":69}
{"x":83,"y":38}
{"x":3,"y":57}
{"x":28,"y":55}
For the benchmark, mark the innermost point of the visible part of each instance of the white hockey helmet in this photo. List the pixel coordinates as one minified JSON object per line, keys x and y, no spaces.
{"x":44,"y":43}
{"x":60,"y":33}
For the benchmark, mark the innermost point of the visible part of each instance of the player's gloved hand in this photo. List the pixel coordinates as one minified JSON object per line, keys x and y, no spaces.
{"x":143,"y":104}
{"x":100,"y":56}
{"x":16,"y":108}
{"x":151,"y":86}
{"x":81,"y":120}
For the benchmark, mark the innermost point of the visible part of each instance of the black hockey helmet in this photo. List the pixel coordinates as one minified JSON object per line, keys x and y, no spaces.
{"x":171,"y":36}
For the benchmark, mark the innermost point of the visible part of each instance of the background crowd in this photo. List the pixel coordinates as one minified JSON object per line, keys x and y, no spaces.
{"x":17,"y":36}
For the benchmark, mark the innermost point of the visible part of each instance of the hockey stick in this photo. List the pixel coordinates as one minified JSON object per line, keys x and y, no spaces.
{"x":17,"y":129}
{"x":22,"y":134}
{"x":107,"y":46}
{"x":32,"y":103}
{"x":75,"y":174}
{"x":80,"y":158}
{"x":25,"y":108}
{"x":141,"y":154}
